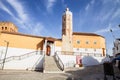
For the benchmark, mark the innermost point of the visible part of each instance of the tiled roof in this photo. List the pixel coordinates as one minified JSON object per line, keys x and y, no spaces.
{"x":88,"y":34}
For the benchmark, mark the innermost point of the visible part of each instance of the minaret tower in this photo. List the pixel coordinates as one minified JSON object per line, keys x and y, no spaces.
{"x":67,"y":31}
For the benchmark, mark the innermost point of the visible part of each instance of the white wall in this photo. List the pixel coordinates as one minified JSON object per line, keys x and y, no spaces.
{"x":91,"y":60}
{"x":57,"y":48}
{"x":14,"y":51}
{"x":30,"y":62}
{"x":70,"y":60}
{"x":116,"y":48}
{"x":89,"y":50}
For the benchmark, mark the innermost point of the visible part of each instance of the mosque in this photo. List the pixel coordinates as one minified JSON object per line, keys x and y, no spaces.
{"x":24,"y":51}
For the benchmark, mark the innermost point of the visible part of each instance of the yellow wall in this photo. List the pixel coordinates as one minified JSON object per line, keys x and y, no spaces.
{"x":20,"y":41}
{"x":58,"y":43}
{"x":32,"y":42}
{"x":8,"y":26}
{"x":100,"y":41}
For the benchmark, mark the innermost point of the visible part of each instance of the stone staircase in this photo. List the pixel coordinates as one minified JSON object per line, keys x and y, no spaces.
{"x":50,"y":65}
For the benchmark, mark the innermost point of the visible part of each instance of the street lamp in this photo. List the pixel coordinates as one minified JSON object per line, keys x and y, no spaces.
{"x":119,"y":25}
{"x":5,"y":53}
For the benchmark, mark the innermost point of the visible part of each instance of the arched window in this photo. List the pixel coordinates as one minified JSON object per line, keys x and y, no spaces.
{"x":5,"y":28}
{"x":2,"y":28}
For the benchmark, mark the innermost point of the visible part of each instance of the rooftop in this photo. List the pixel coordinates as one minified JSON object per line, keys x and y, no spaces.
{"x":84,"y":33}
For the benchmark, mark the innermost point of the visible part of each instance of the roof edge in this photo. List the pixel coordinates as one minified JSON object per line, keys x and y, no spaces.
{"x":21,"y":34}
{"x":88,"y":34}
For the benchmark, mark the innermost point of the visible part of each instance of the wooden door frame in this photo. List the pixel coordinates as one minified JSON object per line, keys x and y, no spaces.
{"x":48,"y":50}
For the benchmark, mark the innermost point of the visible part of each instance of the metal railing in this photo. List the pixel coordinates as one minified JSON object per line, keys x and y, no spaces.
{"x":44,"y":63}
{"x":79,"y":53}
{"x":59,"y":62}
{"x":22,"y":56}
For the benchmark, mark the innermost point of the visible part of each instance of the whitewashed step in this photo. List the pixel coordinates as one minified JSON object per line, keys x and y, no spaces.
{"x":50,"y":65}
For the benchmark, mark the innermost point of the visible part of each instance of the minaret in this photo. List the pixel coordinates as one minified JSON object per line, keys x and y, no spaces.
{"x":67,"y":31}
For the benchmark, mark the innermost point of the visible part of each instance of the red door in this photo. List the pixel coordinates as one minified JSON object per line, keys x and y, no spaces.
{"x":48,"y":50}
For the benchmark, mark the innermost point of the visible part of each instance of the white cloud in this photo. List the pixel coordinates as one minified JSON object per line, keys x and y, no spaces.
{"x":92,"y":2}
{"x":105,"y":14}
{"x":18,"y":7}
{"x":101,"y":31}
{"x":116,"y":14}
{"x":89,"y":5}
{"x":63,"y":3}
{"x":112,"y":10}
{"x":7,"y":10}
{"x":38,"y":28}
{"x":3,"y":7}
{"x":22,"y":18}
{"x":107,"y":29}
{"x":50,"y":4}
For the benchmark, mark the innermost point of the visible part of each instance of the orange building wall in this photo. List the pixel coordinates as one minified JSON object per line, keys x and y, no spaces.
{"x":20,"y":41}
{"x":8,"y":26}
{"x":100,"y":41}
{"x":58,"y":43}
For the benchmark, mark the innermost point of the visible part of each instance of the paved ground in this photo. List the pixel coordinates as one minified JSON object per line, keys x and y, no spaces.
{"x":86,"y":73}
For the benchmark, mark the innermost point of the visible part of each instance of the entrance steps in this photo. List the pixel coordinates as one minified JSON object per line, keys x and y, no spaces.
{"x":50,"y":65}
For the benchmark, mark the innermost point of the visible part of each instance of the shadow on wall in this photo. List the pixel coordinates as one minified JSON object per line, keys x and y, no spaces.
{"x":92,"y":70}
{"x":88,"y":72}
{"x":89,"y":60}
{"x":39,"y":46}
{"x":38,"y":66}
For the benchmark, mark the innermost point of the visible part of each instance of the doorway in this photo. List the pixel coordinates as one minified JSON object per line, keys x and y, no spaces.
{"x":103,"y":51}
{"x":48,"y":50}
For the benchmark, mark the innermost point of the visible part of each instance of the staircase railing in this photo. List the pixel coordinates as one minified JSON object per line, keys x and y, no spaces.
{"x":44,"y":63}
{"x":79,"y":53}
{"x":59,"y":62}
{"x":22,"y":56}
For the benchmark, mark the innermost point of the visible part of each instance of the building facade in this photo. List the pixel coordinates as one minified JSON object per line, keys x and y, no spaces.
{"x":71,"y":43}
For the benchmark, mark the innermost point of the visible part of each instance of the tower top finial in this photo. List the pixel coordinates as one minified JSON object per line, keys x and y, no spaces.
{"x":67,"y":9}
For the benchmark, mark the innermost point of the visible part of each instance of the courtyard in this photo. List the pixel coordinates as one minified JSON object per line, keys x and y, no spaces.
{"x":83,"y":73}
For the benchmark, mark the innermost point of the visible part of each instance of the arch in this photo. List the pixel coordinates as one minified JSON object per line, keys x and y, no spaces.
{"x":5,"y":28}
{"x":48,"y":50}
{"x":2,"y":28}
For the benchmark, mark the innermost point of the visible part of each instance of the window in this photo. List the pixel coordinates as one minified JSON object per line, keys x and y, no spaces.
{"x":87,"y":42}
{"x":95,"y":42}
{"x":5,"y":28}
{"x":78,"y":42}
{"x":64,"y":19}
{"x":2,"y":28}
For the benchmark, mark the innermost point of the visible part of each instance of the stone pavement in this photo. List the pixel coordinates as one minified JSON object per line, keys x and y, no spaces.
{"x":84,"y":73}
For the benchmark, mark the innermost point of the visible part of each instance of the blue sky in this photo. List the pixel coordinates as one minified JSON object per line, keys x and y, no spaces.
{"x":44,"y":17}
